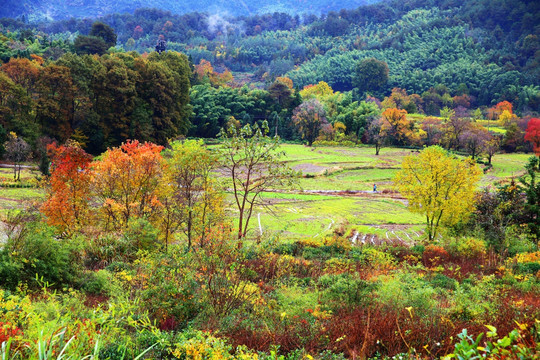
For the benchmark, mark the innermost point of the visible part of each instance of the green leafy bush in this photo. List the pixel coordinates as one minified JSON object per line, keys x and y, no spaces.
{"x":466,"y":247}
{"x":37,"y":255}
{"x":344,"y":289}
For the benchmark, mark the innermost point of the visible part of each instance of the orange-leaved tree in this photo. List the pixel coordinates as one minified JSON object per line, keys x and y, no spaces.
{"x":126,"y":183}
{"x":396,"y":126}
{"x":68,"y":195}
{"x":532,"y":134}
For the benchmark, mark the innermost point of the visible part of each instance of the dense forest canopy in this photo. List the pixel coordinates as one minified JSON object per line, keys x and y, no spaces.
{"x":423,"y":55}
{"x":59,"y":9}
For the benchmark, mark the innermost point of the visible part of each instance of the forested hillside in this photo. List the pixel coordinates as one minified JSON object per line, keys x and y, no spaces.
{"x":440,"y":54}
{"x":58,"y":9}
{"x":425,"y":43}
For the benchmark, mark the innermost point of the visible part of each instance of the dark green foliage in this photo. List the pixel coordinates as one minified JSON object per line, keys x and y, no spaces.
{"x":115,"y":352}
{"x":443,"y":282}
{"x":88,"y":45}
{"x":104,"y":32}
{"x":527,"y":268}
{"x":345,"y":289}
{"x":370,"y":75}
{"x":101,"y":101}
{"x":531,"y":185}
{"x":212,"y":108}
{"x":96,"y":282}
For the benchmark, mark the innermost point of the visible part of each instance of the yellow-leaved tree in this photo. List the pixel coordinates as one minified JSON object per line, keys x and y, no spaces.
{"x":439,"y":186}
{"x":195,"y":201}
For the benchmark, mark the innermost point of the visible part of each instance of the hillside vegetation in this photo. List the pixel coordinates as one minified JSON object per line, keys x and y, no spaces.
{"x":352,"y":184}
{"x":56,"y":10}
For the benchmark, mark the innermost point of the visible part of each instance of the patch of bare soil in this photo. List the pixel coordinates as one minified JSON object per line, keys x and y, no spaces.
{"x":309,"y":168}
{"x":309,"y":218}
{"x":346,"y":152}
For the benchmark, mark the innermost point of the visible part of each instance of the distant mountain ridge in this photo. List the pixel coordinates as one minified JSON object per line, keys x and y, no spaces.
{"x":59,"y":9}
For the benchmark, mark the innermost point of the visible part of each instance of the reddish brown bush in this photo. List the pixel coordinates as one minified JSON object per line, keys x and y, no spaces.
{"x":434,"y":255}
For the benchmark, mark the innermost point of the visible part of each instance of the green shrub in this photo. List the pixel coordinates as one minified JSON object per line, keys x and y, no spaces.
{"x":108,"y":249}
{"x":466,"y":247}
{"x":287,"y":248}
{"x":323,"y":252}
{"x":142,"y":234}
{"x":527,"y":268}
{"x":100,"y":282}
{"x":169,"y":290}
{"x":377,"y":259}
{"x":418,"y":249}
{"x":407,"y":290}
{"x":443,"y":282}
{"x":115,"y":351}
{"x":520,"y":244}
{"x":37,"y":254}
{"x":474,"y":300}
{"x":344,"y":289}
{"x":117,"y":266}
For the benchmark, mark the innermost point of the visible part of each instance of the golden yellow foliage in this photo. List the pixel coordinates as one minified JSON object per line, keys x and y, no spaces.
{"x":319,"y":91}
{"x":439,"y":186}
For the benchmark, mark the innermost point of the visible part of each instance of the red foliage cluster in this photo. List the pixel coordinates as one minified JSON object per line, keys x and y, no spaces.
{"x":8,"y":331}
{"x":70,"y":183}
{"x":532,"y":134}
{"x":434,"y":255}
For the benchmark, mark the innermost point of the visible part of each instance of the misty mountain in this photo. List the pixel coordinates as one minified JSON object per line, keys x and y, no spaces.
{"x":61,"y":9}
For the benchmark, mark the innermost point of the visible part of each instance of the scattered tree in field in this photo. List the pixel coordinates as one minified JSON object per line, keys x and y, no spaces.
{"x":532,"y":134}
{"x":195,"y":198}
{"x":453,"y":128}
{"x":68,"y":193}
{"x":474,"y":139}
{"x":491,"y":147}
{"x":251,"y":161}
{"x":376,"y":135}
{"x":447,"y":113}
{"x":17,"y":151}
{"x":438,"y":186}
{"x":432,"y":128}
{"x":126,"y":183}
{"x":309,"y":117}
{"x":370,"y":75}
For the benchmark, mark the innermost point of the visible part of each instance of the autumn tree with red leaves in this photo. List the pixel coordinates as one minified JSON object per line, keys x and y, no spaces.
{"x":67,"y":206}
{"x":532,"y":134}
{"x":126,"y":183}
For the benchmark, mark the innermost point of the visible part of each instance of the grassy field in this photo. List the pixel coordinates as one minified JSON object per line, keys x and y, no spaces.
{"x":308,"y":211}
{"x":385,"y":216}
{"x":18,"y":198}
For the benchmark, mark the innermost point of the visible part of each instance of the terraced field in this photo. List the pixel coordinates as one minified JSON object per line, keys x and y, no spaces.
{"x":334,"y":194}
